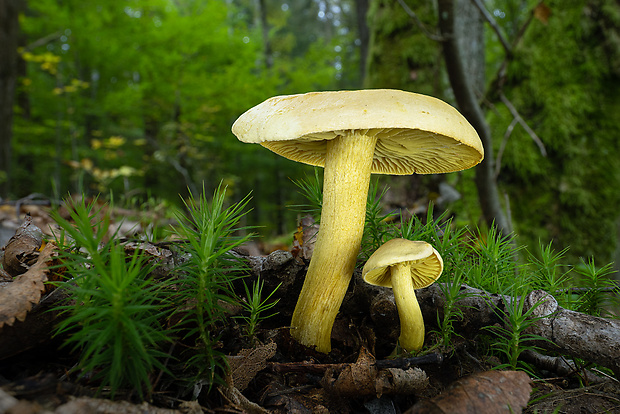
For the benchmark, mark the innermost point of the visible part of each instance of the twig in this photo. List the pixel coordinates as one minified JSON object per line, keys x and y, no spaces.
{"x":500,"y":76}
{"x":291,"y":390}
{"x":559,"y":365}
{"x":524,"y":124}
{"x":502,"y":147}
{"x":405,"y":363}
{"x":583,"y":290}
{"x":419,"y":23}
{"x":43,"y":41}
{"x":309,"y":367}
{"x":494,"y":26}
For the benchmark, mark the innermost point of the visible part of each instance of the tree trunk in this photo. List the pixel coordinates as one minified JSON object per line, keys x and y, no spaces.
{"x":463,"y":88}
{"x":261,"y":11}
{"x":9,"y":28}
{"x":361,"y":9}
{"x":469,"y":33}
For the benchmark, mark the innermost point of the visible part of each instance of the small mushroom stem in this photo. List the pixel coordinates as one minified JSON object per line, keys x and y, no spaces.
{"x":346,"y":178}
{"x":411,"y":320}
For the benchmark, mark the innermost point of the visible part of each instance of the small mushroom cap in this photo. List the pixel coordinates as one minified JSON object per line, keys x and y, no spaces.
{"x":415,"y":133}
{"x":425,"y":263}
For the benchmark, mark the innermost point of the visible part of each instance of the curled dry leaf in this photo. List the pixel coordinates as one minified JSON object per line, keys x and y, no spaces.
{"x":304,"y":238}
{"x":364,"y":378}
{"x":22,"y":250}
{"x":482,"y":393}
{"x":18,"y":297}
{"x":242,"y":369}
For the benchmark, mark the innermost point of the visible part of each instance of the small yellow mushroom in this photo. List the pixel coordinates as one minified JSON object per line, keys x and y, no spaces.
{"x":404,"y":266}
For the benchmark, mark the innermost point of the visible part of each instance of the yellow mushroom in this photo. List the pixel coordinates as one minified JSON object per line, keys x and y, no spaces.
{"x":353,"y":134}
{"x":404,"y":266}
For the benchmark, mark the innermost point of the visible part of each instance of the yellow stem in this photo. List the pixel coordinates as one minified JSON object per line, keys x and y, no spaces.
{"x":411,"y":320}
{"x":348,"y":162}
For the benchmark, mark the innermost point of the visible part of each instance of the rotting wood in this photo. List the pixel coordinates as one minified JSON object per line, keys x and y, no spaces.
{"x":579,"y":335}
{"x":588,"y":337}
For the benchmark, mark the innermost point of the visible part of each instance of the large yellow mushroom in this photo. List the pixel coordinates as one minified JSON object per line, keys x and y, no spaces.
{"x":353,"y":134}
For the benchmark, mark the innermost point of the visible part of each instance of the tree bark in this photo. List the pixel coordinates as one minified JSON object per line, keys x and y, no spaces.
{"x":361,"y":9}
{"x":462,"y":86}
{"x":261,"y":11}
{"x":9,"y":29}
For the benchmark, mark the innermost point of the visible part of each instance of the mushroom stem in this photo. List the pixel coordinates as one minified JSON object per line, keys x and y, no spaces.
{"x":346,"y":178}
{"x":411,"y":320}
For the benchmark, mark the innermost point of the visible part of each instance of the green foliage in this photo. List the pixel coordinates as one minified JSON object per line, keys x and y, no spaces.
{"x":564,"y":80}
{"x":209,"y":229}
{"x":513,"y":338}
{"x":602,"y":293}
{"x":123,"y":96}
{"x":375,"y":230}
{"x":115,"y":318}
{"x":450,"y":285}
{"x":311,"y":189}
{"x":401,"y":56}
{"x":548,"y":272}
{"x":494,"y":266}
{"x":255,"y":306}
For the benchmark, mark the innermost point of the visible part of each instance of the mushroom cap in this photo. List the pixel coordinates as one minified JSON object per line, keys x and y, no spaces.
{"x":425,"y":263}
{"x":415,"y":133}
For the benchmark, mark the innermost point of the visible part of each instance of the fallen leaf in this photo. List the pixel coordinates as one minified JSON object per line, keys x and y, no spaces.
{"x":482,"y":393}
{"x":355,"y":379}
{"x":363,"y":378}
{"x":242,"y":369}
{"x":18,"y":297}
{"x":304,"y":238}
{"x":22,"y":250}
{"x":247,"y":363}
{"x":542,"y":12}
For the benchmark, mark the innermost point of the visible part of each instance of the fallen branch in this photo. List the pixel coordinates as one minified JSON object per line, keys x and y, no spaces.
{"x":579,"y":335}
{"x":583,"y":336}
{"x":560,"y":366}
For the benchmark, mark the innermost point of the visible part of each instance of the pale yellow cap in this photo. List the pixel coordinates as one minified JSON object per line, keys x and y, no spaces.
{"x":415,"y":133}
{"x":425,"y":263}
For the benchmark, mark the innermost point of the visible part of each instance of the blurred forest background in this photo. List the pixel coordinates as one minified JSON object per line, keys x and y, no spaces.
{"x":135,"y":99}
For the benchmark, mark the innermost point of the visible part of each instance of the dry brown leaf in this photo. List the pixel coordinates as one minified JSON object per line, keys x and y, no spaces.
{"x":355,"y":379}
{"x":487,"y":392}
{"x":248,"y":363}
{"x":363,"y":378}
{"x":18,"y":297}
{"x":242,"y":369}
{"x":304,"y":238}
{"x":22,"y":250}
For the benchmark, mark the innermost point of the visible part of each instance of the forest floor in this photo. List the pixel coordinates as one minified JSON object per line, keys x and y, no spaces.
{"x":272,"y":373}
